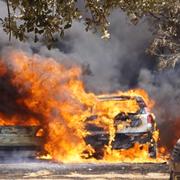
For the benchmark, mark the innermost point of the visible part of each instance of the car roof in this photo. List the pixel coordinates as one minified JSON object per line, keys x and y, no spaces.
{"x":119,"y":98}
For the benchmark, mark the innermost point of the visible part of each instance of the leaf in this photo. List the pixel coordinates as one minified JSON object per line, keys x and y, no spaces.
{"x":41,"y":31}
{"x":67,"y":26}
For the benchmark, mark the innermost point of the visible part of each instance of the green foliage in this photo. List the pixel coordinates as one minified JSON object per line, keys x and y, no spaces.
{"x":46,"y":17}
{"x":40,"y":17}
{"x":166,"y":44}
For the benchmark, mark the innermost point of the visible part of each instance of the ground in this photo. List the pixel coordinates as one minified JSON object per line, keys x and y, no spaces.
{"x":90,"y":171}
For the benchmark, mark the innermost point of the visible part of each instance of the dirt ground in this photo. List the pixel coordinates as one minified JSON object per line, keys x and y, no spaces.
{"x":90,"y":171}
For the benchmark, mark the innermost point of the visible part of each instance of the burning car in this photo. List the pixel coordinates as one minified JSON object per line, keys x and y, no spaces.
{"x":175,"y":162}
{"x":71,"y":118}
{"x":128,"y":120}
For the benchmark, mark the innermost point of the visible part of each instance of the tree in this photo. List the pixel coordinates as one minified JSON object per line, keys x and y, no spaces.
{"x":166,"y":44}
{"x":47,"y":17}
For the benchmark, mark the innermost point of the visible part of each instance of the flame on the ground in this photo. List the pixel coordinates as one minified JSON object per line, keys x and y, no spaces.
{"x":55,"y":98}
{"x":139,"y":153}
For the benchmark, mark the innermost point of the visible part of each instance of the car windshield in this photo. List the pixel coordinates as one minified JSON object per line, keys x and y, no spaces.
{"x":113,"y":106}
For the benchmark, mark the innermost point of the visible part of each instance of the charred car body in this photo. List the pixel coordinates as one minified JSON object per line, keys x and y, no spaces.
{"x":135,"y":127}
{"x":17,"y":142}
{"x":175,"y":162}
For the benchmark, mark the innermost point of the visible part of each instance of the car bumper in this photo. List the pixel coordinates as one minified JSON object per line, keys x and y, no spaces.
{"x":121,"y":140}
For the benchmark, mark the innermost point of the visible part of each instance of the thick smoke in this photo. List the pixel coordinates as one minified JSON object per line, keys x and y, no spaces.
{"x":117,"y":64}
{"x":164,"y":87}
{"x":114,"y":63}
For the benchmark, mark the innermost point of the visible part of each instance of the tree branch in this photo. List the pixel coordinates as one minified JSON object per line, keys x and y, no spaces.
{"x":9,"y":18}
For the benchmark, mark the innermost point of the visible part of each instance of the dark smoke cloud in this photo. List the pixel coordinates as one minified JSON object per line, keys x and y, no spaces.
{"x":9,"y":94}
{"x":119,"y":63}
{"x":115,"y":64}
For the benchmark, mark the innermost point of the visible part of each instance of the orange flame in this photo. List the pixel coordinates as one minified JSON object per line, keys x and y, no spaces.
{"x":56,"y":93}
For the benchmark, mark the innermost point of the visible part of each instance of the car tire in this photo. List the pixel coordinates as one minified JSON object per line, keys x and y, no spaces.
{"x":153,"y":150}
{"x":99,"y":153}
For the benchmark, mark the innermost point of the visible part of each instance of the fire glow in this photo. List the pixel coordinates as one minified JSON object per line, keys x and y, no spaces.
{"x":57,"y":101}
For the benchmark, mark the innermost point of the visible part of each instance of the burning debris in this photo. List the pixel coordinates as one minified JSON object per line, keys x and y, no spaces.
{"x":51,"y":95}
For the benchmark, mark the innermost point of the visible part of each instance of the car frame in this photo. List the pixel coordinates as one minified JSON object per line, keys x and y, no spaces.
{"x":127,"y":137}
{"x":19,"y":142}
